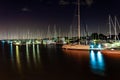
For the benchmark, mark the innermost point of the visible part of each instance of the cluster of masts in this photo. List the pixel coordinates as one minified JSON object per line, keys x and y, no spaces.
{"x":50,"y":32}
{"x":114,"y":27}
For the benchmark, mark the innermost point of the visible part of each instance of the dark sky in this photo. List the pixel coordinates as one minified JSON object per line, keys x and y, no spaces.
{"x":32,"y":15}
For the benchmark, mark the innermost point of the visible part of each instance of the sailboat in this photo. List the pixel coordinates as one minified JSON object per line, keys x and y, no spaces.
{"x":114,"y":46}
{"x":80,"y":46}
{"x":77,"y":46}
{"x":48,"y":40}
{"x":115,"y":50}
{"x":112,"y":43}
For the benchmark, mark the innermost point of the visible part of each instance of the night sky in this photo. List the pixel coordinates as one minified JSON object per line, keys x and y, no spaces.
{"x":34,"y":16}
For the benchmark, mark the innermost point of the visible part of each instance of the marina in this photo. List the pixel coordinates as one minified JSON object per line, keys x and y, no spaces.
{"x":51,"y":62}
{"x":59,"y":40}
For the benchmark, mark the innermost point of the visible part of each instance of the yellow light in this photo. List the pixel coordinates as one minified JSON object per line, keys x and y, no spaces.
{"x":18,"y":59}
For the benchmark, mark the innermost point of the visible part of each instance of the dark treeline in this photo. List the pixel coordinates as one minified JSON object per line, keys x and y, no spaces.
{"x":101,"y":36}
{"x":97,"y":36}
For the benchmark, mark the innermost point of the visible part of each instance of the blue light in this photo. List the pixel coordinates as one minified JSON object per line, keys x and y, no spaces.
{"x":92,"y":59}
{"x":91,"y":46}
{"x":9,"y":41}
{"x":3,"y":41}
{"x":3,"y":46}
{"x":97,"y":62}
{"x":101,"y":64}
{"x":99,"y":46}
{"x":11,"y":52}
{"x":99,"y":56}
{"x":92,"y":55}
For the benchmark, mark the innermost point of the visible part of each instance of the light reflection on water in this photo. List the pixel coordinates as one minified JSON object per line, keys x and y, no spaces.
{"x":34,"y":55}
{"x":97,"y":63}
{"x":38,"y":54}
{"x":11,"y":49}
{"x":3,"y":43}
{"x":96,"y":60}
{"x":27,"y":55}
{"x":11,"y":52}
{"x":18,"y":61}
{"x":48,"y":61}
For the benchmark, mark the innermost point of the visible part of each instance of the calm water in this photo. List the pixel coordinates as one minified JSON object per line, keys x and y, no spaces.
{"x":40,"y":62}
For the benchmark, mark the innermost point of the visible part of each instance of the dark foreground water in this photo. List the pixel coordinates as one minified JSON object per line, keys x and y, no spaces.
{"x":40,"y":62}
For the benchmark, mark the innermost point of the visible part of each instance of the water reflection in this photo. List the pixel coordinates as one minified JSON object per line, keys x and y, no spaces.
{"x":18,"y":59}
{"x":27,"y":55}
{"x":97,"y":62}
{"x":77,"y":54}
{"x":38,"y":54}
{"x":34,"y":55}
{"x":70,"y":64}
{"x":11,"y":53}
{"x":3,"y":43}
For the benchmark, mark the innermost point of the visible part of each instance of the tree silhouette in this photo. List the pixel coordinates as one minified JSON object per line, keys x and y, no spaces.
{"x":94,"y":36}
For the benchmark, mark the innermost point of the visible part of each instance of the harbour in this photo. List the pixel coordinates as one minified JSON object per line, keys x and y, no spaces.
{"x":59,"y":40}
{"x":48,"y":62}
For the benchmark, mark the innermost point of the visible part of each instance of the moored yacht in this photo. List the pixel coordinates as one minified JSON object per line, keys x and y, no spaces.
{"x":77,"y":46}
{"x":111,"y":51}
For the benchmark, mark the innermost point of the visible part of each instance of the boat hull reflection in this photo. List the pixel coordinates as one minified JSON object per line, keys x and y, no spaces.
{"x":111,"y":51}
{"x":94,"y":58}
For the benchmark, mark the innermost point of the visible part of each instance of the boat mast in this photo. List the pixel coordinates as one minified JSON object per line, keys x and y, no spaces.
{"x":79,"y":20}
{"x":55,"y":32}
{"x":115,"y":30}
{"x":48,"y":33}
{"x":109,"y":27}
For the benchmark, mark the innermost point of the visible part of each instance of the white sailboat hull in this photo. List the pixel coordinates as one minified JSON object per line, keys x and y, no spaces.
{"x":76,"y":47}
{"x":80,"y":47}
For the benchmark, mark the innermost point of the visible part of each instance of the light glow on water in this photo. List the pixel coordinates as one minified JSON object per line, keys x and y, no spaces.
{"x":99,"y":46}
{"x":92,"y":46}
{"x":101,"y":63}
{"x":27,"y":55}
{"x":38,"y":53}
{"x":97,"y":64}
{"x":3,"y":43}
{"x":18,"y":59}
{"x":11,"y":52}
{"x":34,"y":55}
{"x":92,"y":59}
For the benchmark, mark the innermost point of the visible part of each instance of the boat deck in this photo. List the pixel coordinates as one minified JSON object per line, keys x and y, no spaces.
{"x":79,"y":47}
